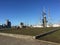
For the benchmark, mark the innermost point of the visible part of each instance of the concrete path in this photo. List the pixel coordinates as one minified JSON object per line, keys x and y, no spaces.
{"x":5,"y":39}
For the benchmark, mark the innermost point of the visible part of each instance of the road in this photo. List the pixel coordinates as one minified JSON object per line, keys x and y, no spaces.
{"x":5,"y":40}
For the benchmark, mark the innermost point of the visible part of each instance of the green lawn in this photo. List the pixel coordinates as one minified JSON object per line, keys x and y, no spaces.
{"x":54,"y":37}
{"x":27,"y":31}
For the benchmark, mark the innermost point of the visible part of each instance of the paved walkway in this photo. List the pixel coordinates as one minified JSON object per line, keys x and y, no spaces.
{"x":5,"y":39}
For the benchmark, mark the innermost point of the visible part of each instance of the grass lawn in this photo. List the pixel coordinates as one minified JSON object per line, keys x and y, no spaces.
{"x":54,"y":37}
{"x":27,"y":31}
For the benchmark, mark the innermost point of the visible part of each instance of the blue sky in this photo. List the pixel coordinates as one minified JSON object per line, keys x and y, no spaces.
{"x":28,"y":11}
